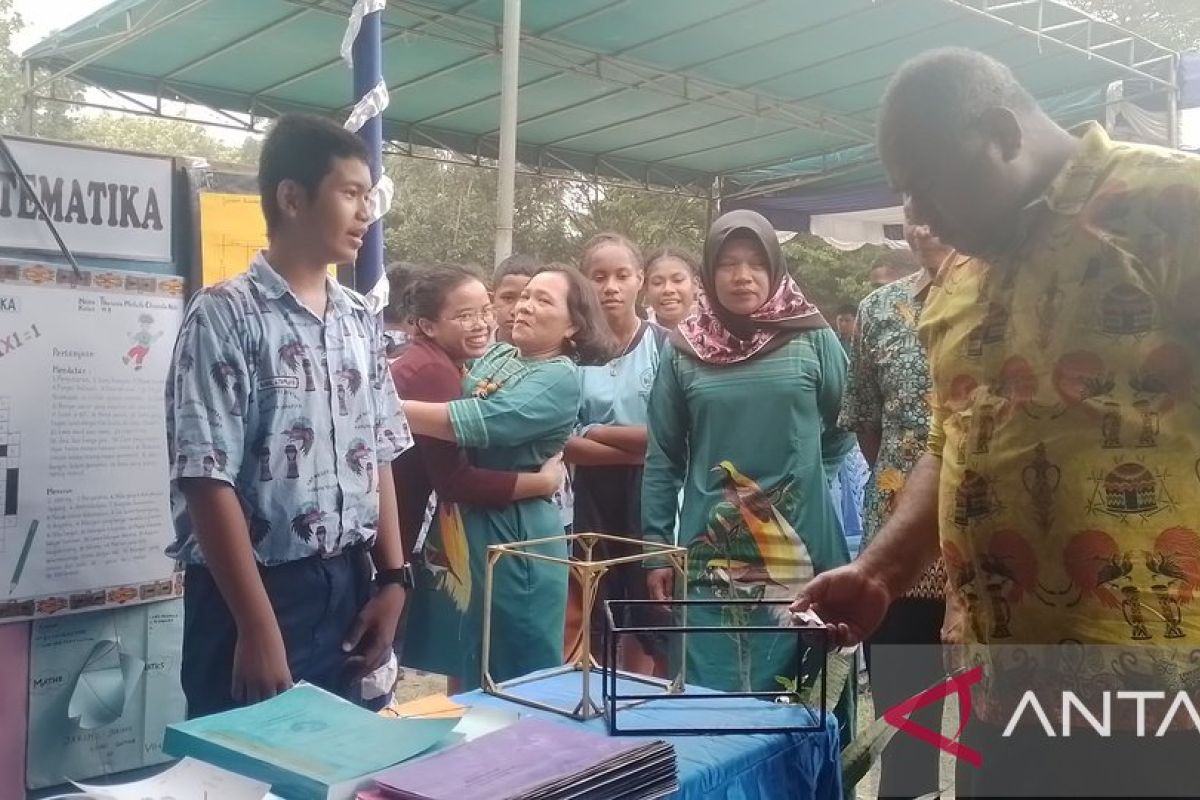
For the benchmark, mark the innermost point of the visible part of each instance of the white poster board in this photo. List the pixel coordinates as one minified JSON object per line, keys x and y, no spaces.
{"x":103,"y":688}
{"x":84,"y":497}
{"x":107,"y":204}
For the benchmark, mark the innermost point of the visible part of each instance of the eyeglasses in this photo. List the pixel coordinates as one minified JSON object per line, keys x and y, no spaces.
{"x":469,"y":318}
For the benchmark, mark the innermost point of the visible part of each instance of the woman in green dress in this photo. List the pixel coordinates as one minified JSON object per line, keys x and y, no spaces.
{"x":520,"y":404}
{"x":743,"y":416}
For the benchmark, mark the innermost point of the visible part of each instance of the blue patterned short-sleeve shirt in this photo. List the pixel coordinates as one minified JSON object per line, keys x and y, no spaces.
{"x":295,"y":412}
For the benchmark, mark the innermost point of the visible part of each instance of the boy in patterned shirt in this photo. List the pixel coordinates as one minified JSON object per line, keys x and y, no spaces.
{"x":282,"y":422}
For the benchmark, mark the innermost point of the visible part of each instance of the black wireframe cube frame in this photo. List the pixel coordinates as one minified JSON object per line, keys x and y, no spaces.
{"x":812,"y":640}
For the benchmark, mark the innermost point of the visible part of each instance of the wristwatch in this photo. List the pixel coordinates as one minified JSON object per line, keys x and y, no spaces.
{"x":401,"y":575}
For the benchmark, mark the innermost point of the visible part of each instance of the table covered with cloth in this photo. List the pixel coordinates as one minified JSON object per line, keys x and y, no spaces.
{"x":795,"y":766}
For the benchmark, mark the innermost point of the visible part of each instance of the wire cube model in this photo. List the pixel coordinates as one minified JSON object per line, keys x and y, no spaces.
{"x":811,"y":670}
{"x":588,"y":570}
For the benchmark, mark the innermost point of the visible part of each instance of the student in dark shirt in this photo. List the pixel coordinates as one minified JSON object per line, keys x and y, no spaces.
{"x":397,"y":328}
{"x":507,"y":285}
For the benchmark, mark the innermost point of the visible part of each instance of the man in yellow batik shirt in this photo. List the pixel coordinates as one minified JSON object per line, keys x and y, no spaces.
{"x":1067,"y":409}
{"x":1062,"y":471}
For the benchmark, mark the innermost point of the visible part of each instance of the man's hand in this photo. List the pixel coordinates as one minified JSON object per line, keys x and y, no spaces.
{"x":853,"y":599}
{"x":955,"y":619}
{"x":260,"y":667}
{"x":849,"y":600}
{"x":954,"y":631}
{"x":552,"y":474}
{"x":374,"y":632}
{"x":660,"y":584}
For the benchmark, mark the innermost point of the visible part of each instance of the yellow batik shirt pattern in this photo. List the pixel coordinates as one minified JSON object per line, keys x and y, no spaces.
{"x":1066,"y":410}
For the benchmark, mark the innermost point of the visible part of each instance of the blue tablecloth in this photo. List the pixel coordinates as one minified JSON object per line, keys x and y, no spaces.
{"x":795,"y":766}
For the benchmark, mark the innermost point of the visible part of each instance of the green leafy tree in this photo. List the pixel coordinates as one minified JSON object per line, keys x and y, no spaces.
{"x":51,"y":119}
{"x":446,"y":211}
{"x":250,"y":150}
{"x":11,"y":82}
{"x":652,"y":219}
{"x":830,"y":277}
{"x":150,"y":135}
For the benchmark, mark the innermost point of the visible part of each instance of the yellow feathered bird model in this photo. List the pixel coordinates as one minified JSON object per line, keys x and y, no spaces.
{"x":455,"y":574}
{"x":787,"y":563}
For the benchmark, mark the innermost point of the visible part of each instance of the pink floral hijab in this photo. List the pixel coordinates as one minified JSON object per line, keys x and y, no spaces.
{"x":715,"y":335}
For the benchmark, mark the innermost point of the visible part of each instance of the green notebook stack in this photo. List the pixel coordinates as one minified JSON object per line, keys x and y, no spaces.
{"x":307,"y":743}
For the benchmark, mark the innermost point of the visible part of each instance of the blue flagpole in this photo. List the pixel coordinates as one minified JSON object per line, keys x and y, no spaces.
{"x":368,"y":268}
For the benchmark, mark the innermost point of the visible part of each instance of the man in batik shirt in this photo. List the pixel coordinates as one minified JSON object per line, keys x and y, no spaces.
{"x":886,"y":404}
{"x":1062,"y":464}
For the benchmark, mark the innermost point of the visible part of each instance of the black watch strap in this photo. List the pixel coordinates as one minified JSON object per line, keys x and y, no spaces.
{"x":401,"y":575}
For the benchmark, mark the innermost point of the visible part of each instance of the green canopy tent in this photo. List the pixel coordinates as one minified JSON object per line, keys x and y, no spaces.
{"x":704,"y":97}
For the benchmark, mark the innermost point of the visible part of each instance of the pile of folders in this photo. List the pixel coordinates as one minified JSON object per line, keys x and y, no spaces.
{"x":536,"y":759}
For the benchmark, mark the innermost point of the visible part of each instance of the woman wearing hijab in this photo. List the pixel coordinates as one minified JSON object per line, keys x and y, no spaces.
{"x":743,"y":415}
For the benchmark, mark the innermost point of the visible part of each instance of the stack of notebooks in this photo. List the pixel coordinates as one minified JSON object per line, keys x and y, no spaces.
{"x":536,"y":759}
{"x":306,"y":743}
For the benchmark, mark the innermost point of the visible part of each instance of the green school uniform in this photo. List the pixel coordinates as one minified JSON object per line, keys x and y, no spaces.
{"x":517,"y":426}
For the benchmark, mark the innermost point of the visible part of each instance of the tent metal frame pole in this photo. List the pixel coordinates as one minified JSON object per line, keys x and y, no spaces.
{"x":510,"y":60}
{"x":28,"y":99}
{"x":1093,"y":45}
{"x":241,"y":127}
{"x":368,"y":69}
{"x":710,"y":207}
{"x":1173,"y":105}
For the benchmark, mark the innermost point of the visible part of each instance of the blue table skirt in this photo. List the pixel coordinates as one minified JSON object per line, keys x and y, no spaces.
{"x":795,"y":766}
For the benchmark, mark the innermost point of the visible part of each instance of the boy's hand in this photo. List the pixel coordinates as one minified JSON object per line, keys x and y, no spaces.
{"x":260,"y":667}
{"x":374,"y":632}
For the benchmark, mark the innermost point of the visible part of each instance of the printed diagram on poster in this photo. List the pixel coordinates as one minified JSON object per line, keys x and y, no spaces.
{"x":232,"y":230}
{"x":83,"y":489}
{"x":103,"y":688}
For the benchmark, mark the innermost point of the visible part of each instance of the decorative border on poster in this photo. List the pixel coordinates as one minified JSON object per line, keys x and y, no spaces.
{"x":53,"y":605}
{"x":108,"y":281}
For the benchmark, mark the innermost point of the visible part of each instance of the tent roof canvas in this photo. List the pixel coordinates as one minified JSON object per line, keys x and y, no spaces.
{"x":672,"y":93}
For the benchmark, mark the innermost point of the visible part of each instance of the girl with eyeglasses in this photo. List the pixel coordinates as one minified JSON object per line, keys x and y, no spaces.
{"x":520,"y":403}
{"x":452,"y":320}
